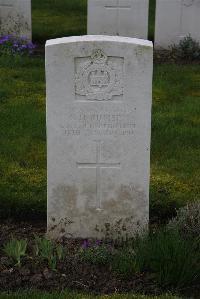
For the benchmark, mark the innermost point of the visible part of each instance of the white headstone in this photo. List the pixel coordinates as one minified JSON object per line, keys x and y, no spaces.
{"x":176,"y":19}
{"x":118,"y":17}
{"x":15,"y":18}
{"x":98,"y":131}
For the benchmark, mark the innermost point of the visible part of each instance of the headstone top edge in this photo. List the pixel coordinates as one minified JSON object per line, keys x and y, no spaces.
{"x":99,"y":38}
{"x":14,"y":1}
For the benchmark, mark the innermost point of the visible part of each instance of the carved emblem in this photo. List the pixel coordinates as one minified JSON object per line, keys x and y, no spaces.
{"x":99,"y":78}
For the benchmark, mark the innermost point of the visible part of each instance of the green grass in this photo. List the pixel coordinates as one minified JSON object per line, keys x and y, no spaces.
{"x":23,"y":137}
{"x":175,"y":126}
{"x":152,"y":6}
{"x":72,"y":295}
{"x":58,"y":18}
{"x":173,"y":260}
{"x":175,"y":175}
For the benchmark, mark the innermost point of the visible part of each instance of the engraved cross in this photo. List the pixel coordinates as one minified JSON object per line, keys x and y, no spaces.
{"x":184,"y":3}
{"x":98,"y":165}
{"x":118,"y":7}
{"x":6,"y":5}
{"x":3,"y":5}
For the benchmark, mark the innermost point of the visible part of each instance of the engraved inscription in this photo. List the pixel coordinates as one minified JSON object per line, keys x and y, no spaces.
{"x":99,"y":78}
{"x":98,"y":165}
{"x":100,"y":124}
{"x":5,"y":5}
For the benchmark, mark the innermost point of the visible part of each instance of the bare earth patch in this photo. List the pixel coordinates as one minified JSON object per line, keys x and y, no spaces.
{"x":72,"y":272}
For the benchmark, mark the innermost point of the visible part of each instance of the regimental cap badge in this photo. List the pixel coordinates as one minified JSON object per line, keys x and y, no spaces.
{"x":98,"y":56}
{"x":100,"y":77}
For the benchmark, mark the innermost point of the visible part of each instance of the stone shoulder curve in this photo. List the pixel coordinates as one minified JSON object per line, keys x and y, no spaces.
{"x":99,"y":38}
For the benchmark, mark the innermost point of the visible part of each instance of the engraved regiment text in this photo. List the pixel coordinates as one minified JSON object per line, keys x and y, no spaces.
{"x":100,"y":124}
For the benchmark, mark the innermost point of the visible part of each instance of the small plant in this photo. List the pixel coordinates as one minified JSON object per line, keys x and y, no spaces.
{"x":124,"y":262}
{"x":15,"y":249}
{"x":48,"y":251}
{"x":173,"y":260}
{"x":60,"y":252}
{"x":95,"y":253}
{"x":52,"y":262}
{"x":10,"y":45}
{"x":187,"y":221}
{"x":187,"y":49}
{"x":44,"y":248}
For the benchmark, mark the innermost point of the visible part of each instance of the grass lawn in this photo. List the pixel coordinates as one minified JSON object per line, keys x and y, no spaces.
{"x":58,"y":18}
{"x":72,"y":295}
{"x":175,"y":175}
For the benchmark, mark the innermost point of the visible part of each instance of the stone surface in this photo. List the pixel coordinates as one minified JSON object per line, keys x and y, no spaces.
{"x":176,"y":19}
{"x":15,"y":18}
{"x":118,"y":17}
{"x":98,"y":130}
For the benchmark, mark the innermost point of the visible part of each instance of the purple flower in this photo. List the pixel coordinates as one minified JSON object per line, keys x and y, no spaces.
{"x":98,"y":242}
{"x":24,"y":38}
{"x":16,"y":45}
{"x":31,"y":46}
{"x":4,"y":39}
{"x":85,"y":244}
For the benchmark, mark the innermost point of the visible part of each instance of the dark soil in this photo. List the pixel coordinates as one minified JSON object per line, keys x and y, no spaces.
{"x":72,"y":273}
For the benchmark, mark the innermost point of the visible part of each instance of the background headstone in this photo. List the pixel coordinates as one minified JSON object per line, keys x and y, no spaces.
{"x":15,"y":18}
{"x":176,"y":19}
{"x":99,"y":94}
{"x":118,"y":17}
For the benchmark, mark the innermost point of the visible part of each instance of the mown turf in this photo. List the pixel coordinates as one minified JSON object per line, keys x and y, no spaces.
{"x":22,"y":142}
{"x":175,"y":175}
{"x":58,"y":18}
{"x":72,"y":295}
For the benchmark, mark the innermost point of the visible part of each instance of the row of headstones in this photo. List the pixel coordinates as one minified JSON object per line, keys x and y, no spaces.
{"x":99,"y":96}
{"x":175,"y":19}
